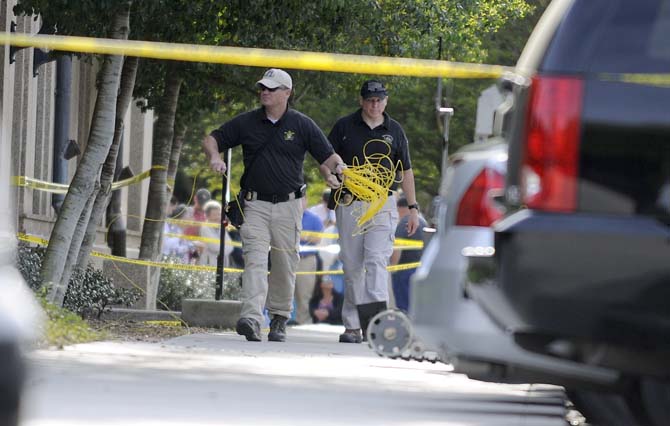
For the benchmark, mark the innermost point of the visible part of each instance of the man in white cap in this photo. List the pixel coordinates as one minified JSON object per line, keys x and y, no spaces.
{"x":274,"y":140}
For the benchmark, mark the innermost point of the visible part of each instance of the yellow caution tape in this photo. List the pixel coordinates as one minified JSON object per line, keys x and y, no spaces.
{"x":59,"y":188}
{"x":400,"y":243}
{"x":329,"y":235}
{"x":181,"y":266}
{"x":203,"y":239}
{"x":404,"y":266}
{"x":186,"y":222}
{"x":164,"y":323}
{"x":659,"y":80}
{"x":317,"y":61}
{"x":405,"y":242}
{"x":25,"y":181}
{"x":187,"y":267}
{"x":32,"y":239}
{"x":193,"y":238}
{"x":135,"y":179}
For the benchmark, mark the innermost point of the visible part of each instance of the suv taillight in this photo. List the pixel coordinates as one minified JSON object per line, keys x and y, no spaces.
{"x":477,"y":207}
{"x":553,"y":125}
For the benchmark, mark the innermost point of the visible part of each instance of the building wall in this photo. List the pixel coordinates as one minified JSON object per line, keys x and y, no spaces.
{"x":27,"y":131}
{"x":7,"y":192}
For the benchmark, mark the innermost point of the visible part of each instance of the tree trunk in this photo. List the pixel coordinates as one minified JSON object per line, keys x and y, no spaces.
{"x":158,"y":192}
{"x":114,"y":220}
{"x":77,"y":238}
{"x":86,"y":176}
{"x":107,"y":177}
{"x":175,"y":152}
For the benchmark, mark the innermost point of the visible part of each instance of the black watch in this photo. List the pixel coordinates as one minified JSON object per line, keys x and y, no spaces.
{"x":414,"y":206}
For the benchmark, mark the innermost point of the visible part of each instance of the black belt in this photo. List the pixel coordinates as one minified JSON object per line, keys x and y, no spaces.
{"x":274,"y":198}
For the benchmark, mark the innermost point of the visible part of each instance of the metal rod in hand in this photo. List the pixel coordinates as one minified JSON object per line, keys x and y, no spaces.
{"x":218,"y":294}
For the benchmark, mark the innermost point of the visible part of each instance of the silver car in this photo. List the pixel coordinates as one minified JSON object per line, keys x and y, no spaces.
{"x":467,"y":205}
{"x":457,"y":328}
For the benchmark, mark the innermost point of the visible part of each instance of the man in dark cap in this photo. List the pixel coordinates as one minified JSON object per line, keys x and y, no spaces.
{"x":365,"y":252}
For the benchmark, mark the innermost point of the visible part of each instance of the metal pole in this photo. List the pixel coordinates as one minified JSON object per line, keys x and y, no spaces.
{"x":218,"y":294}
{"x":446,"y":114}
{"x":229,"y":160}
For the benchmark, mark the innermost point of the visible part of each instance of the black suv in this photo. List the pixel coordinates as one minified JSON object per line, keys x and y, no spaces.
{"x":581,"y":269}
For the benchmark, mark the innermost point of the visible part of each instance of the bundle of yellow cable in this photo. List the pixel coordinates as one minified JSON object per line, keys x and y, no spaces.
{"x":369,"y":182}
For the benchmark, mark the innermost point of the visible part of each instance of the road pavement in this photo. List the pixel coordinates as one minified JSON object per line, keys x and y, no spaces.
{"x":220,"y":379}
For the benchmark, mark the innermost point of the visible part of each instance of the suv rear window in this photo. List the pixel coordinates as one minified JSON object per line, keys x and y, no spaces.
{"x":612,"y":36}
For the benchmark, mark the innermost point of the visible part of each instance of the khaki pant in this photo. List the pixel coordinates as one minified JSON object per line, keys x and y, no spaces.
{"x":304,"y":288}
{"x":365,"y":256}
{"x":270,"y":225}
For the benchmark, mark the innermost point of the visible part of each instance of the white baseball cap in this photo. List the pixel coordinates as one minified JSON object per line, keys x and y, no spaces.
{"x":274,"y":77}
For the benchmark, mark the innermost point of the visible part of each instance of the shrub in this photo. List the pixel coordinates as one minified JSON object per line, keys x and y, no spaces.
{"x":89,"y":292}
{"x":178,"y":284}
{"x":29,"y":263}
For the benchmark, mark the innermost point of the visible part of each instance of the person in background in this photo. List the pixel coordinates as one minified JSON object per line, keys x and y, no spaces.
{"x":236,"y":255}
{"x":326,"y":257}
{"x":197,"y":211}
{"x":308,"y":264}
{"x":209,"y":250}
{"x":365,"y":253}
{"x":274,"y":140}
{"x":401,"y":279}
{"x":326,"y":302}
{"x":173,"y":245}
{"x":321,"y":209}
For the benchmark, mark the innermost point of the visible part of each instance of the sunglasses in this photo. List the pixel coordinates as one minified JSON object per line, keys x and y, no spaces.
{"x":274,"y":89}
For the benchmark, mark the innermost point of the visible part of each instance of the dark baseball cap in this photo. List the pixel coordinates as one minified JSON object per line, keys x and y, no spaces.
{"x":203,"y":195}
{"x":373,"y":89}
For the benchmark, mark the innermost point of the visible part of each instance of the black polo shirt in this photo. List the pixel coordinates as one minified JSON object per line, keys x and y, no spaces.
{"x":279,"y":167}
{"x":350,"y":136}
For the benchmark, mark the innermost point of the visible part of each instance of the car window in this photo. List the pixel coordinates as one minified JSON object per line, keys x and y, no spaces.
{"x":612,"y":36}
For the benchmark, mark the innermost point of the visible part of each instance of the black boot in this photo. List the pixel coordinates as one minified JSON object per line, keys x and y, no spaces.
{"x":351,"y":336}
{"x":249,"y":328}
{"x":277,"y":329}
{"x":366,"y":312}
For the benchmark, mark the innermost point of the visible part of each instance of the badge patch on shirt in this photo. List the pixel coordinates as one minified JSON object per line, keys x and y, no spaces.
{"x":289,"y":135}
{"x":388,"y":139}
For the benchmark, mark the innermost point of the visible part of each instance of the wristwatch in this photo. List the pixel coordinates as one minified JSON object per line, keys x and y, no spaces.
{"x":414,"y":206}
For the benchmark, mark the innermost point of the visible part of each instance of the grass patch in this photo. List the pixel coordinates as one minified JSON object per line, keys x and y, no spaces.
{"x":63,"y":327}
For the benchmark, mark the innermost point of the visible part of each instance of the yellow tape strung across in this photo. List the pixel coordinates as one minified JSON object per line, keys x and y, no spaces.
{"x":56,"y":188}
{"x":658,"y":80}
{"x":186,"y":222}
{"x":59,"y":188}
{"x":317,"y":61}
{"x":40,"y":185}
{"x":400,"y":243}
{"x":187,"y":267}
{"x":182,"y":266}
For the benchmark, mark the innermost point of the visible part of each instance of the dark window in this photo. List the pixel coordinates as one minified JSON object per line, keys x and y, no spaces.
{"x":612,"y":36}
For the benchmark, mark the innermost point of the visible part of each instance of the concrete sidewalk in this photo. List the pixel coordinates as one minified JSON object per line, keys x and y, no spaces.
{"x":220,"y":378}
